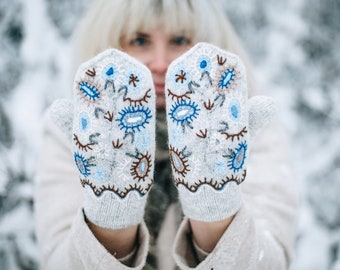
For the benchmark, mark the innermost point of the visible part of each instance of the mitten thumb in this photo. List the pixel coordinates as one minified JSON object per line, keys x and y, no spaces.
{"x":262,"y":109}
{"x":61,"y":113}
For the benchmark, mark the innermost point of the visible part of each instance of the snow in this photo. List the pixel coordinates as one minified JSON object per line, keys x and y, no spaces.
{"x":294,"y":46}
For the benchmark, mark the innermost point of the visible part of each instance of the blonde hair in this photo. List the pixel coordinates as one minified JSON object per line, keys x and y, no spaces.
{"x":108,"y":21}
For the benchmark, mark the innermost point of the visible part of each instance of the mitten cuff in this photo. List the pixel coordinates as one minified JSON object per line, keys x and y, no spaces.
{"x":110,"y":211}
{"x":209,"y":205}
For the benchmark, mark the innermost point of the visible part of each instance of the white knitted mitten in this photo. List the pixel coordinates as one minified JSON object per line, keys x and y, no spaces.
{"x":111,"y":123}
{"x":208,"y":117}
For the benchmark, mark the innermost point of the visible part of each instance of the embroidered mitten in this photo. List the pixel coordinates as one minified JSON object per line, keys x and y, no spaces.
{"x":111,"y":123}
{"x":208,"y":117}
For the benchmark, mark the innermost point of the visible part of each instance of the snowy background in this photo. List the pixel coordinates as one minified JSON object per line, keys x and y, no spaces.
{"x":295,"y":45}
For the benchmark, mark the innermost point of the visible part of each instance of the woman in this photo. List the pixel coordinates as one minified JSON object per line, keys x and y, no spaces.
{"x":258,"y":235}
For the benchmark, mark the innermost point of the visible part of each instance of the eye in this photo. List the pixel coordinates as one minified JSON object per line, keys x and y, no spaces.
{"x":140,"y":41}
{"x":180,"y":41}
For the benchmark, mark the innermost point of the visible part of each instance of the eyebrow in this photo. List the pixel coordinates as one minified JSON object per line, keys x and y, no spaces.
{"x":144,"y":35}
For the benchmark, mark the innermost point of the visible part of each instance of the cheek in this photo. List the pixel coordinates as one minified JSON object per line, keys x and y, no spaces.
{"x":178,"y":51}
{"x":140,"y":56}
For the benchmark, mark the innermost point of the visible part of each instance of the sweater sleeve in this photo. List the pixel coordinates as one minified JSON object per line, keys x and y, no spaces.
{"x":65,"y":240}
{"x":261,"y":235}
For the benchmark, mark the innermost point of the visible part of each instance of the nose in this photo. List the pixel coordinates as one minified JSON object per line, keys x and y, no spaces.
{"x":160,"y":59}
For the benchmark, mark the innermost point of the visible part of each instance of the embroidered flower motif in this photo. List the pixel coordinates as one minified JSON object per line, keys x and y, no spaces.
{"x":89,"y":91}
{"x":141,"y":167}
{"x":183,"y":112}
{"x":178,"y":161}
{"x":82,"y":164}
{"x":227,"y":78}
{"x":134,"y":118}
{"x":237,"y":157}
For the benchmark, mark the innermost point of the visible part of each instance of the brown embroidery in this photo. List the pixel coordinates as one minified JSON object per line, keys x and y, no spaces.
{"x":208,"y":105}
{"x":133,"y":80}
{"x":178,"y":161}
{"x":81,"y":146}
{"x":108,"y":116}
{"x":91,"y":73}
{"x":213,"y":183}
{"x":181,"y":77}
{"x":139,"y":101}
{"x":179,"y":97}
{"x":141,"y":168}
{"x":221,"y":61}
{"x":202,"y":134}
{"x":117,"y":144}
{"x":237,"y":135}
{"x":121,"y":193}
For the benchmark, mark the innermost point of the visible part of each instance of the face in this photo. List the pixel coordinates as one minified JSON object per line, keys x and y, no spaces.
{"x":157,"y":49}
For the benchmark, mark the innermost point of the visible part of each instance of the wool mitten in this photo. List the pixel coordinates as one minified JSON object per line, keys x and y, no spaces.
{"x":111,"y":124}
{"x":209,"y":124}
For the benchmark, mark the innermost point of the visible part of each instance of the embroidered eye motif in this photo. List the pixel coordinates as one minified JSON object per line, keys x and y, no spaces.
{"x":82,"y":164}
{"x":110,"y":72}
{"x":178,"y":161}
{"x":183,"y":112}
{"x":234,"y":110}
{"x":204,"y":63}
{"x":227,"y":78}
{"x":141,"y":167}
{"x":237,"y":157}
{"x":133,"y":118}
{"x":81,"y":146}
{"x":89,"y":91}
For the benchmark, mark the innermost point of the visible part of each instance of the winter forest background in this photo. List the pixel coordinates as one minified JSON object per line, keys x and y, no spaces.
{"x":294,"y":45}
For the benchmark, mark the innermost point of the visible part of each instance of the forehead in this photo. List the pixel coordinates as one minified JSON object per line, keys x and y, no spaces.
{"x":175,"y":18}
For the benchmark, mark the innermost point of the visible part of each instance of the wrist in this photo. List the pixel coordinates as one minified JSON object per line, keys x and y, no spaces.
{"x":119,"y":242}
{"x":207,"y":234}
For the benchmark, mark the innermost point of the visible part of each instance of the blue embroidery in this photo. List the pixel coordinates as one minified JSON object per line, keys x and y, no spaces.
{"x":235,"y":110}
{"x":89,"y":91}
{"x":220,"y":167}
{"x":143,"y":140}
{"x":84,"y":122}
{"x":110,"y":72}
{"x":133,"y":118}
{"x":237,"y":157}
{"x":204,"y":63}
{"x":82,"y":164}
{"x":227,"y":78}
{"x":100,"y":174}
{"x":183,"y":112}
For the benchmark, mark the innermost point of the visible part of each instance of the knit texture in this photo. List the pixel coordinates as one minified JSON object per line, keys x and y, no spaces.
{"x":113,"y":137}
{"x":207,"y":115}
